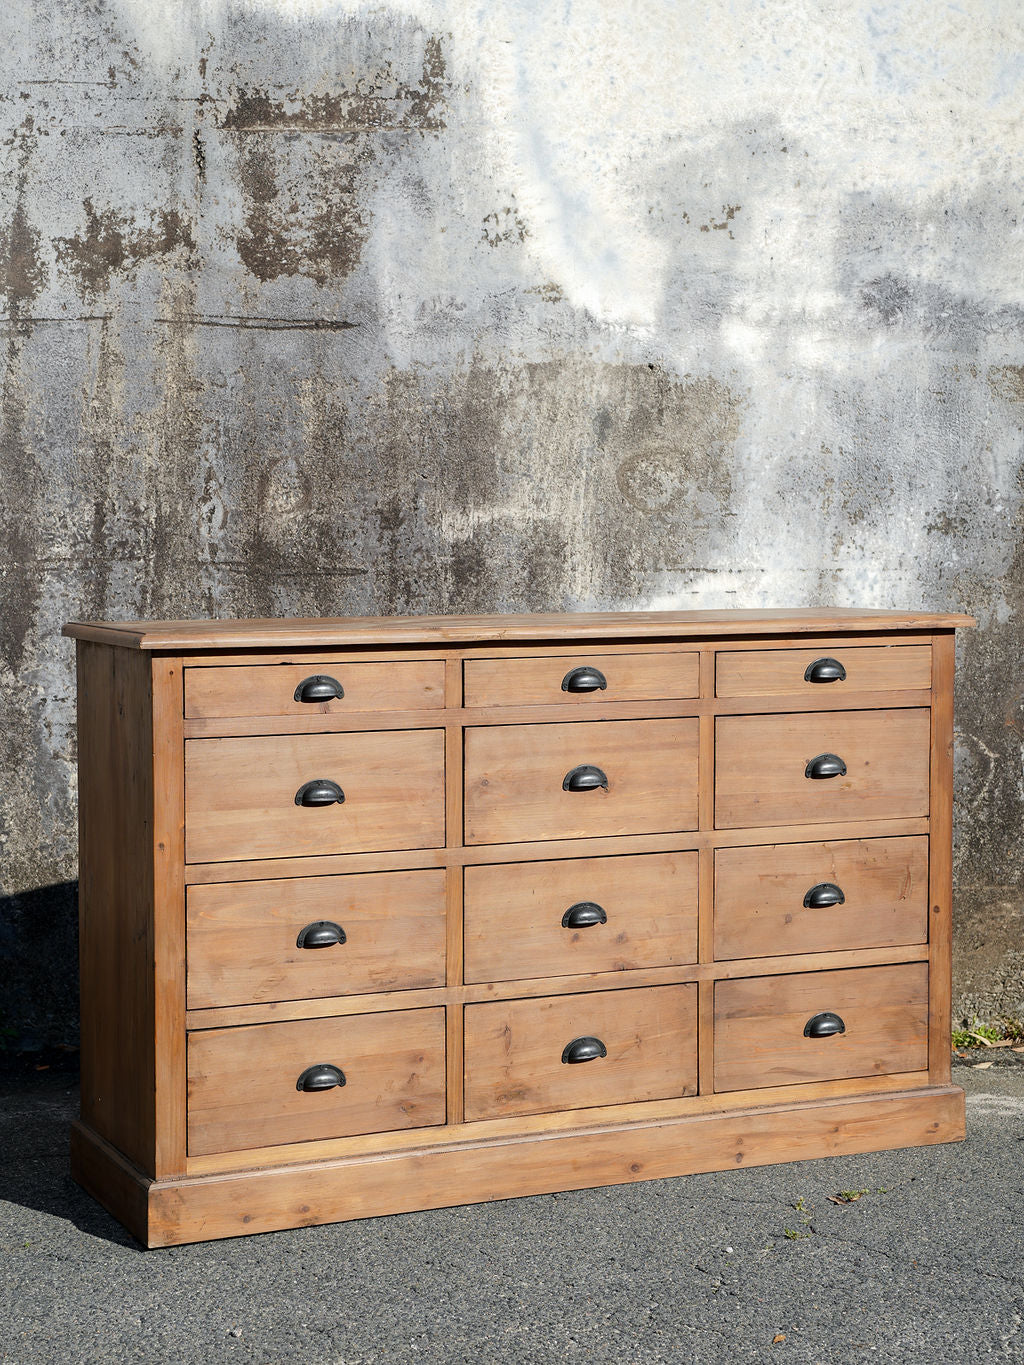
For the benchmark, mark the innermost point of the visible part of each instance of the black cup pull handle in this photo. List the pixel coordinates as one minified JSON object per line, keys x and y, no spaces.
{"x":322,"y":933}
{"x":584,"y":778}
{"x":320,"y":792}
{"x":319,"y":687}
{"x":323,"y":1076}
{"x":583,"y":914}
{"x":584,"y":679}
{"x":824,"y":1025}
{"x":825,"y":671}
{"x":823,"y":895}
{"x":825,"y":765}
{"x":583,"y":1050}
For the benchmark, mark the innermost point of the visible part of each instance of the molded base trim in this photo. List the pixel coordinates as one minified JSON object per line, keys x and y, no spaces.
{"x":171,"y":1212}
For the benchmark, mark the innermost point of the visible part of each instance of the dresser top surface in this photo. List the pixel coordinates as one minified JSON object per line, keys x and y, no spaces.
{"x":431,"y":630}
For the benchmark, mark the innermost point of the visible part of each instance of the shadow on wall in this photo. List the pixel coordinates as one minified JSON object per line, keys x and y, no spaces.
{"x":39,"y":966}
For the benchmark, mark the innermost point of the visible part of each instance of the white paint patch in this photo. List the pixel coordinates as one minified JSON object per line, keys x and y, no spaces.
{"x":996,"y":1106}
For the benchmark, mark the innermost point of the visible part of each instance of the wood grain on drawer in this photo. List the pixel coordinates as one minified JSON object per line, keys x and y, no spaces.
{"x":514,"y":780}
{"x":242,"y":1081}
{"x":780,"y":672}
{"x":760,"y":896}
{"x":550,"y":680}
{"x":270,"y":689}
{"x":761,"y":764}
{"x":515,"y":916}
{"x":759,"y":1026}
{"x":514,"y":1050}
{"x":243,"y":937}
{"x":240,"y":794}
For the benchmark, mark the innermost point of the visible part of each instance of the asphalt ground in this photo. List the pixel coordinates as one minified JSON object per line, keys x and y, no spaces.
{"x":925,"y":1264}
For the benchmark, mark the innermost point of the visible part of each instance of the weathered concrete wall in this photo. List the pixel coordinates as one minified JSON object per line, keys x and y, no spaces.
{"x":332,"y":308}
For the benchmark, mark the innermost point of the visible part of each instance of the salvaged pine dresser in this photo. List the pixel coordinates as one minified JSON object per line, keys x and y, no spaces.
{"x":391,"y":914}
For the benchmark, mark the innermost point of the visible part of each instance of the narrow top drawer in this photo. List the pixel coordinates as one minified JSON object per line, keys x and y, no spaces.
{"x":822,"y":672}
{"x":313,"y":688}
{"x":578,"y":679}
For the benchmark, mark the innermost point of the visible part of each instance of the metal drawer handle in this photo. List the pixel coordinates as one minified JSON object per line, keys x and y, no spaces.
{"x":323,"y":933}
{"x":823,"y":895}
{"x":825,"y":671}
{"x":825,"y":1025}
{"x":584,"y":679}
{"x":319,"y":688}
{"x":825,"y":765}
{"x":320,"y":792}
{"x":584,"y":778}
{"x":323,"y":1076}
{"x":583,"y":1050}
{"x":583,"y":914}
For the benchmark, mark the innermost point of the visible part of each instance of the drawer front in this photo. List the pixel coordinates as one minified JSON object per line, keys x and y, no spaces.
{"x":819,"y":672}
{"x":585,"y":915}
{"x":819,"y":898}
{"x":514,"y":1051}
{"x":381,"y":931}
{"x":310,"y":689}
{"x":580,"y":680}
{"x":516,"y":780}
{"x":241,"y":794}
{"x":242,"y":1081}
{"x":760,"y":1026}
{"x":762,"y":767}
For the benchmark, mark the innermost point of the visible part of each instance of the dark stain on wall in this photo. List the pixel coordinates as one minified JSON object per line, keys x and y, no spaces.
{"x":316,"y":229}
{"x":112,"y":244}
{"x":376,"y":100}
{"x":1007,"y":381}
{"x":24,"y":271}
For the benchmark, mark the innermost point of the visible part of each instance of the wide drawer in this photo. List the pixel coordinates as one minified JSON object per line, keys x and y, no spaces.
{"x":582,"y":915}
{"x":244,"y":1083}
{"x":243,"y":796}
{"x":642,"y":1045}
{"x":580,"y":679}
{"x":765,"y":767}
{"x":819,"y":898}
{"x":793,"y":672}
{"x":772,"y":1030}
{"x":520,"y":780}
{"x":313,"y":688}
{"x":308,"y":937}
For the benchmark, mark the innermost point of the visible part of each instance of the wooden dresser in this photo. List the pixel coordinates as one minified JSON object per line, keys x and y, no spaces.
{"x":392,"y":914}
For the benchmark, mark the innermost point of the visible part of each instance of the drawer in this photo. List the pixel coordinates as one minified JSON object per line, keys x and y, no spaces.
{"x":381,"y":931}
{"x":241,"y":795}
{"x":760,"y":1025}
{"x":313,"y":688}
{"x":819,"y":898}
{"x":519,"y":779}
{"x":515,"y":1050}
{"x":581,"y":915}
{"x":580,"y":679}
{"x":762,"y":774}
{"x":793,"y":672}
{"x":242,"y":1082}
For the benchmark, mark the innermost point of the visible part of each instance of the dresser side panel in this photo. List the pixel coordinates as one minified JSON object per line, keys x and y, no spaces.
{"x":116,"y":892}
{"x":167,"y":852}
{"x":940,"y":864}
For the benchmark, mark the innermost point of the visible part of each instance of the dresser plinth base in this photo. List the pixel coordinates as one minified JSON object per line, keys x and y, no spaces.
{"x":204,"y":1208}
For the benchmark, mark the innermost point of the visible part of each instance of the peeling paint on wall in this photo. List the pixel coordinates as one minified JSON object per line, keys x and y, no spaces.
{"x":332,"y":308}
